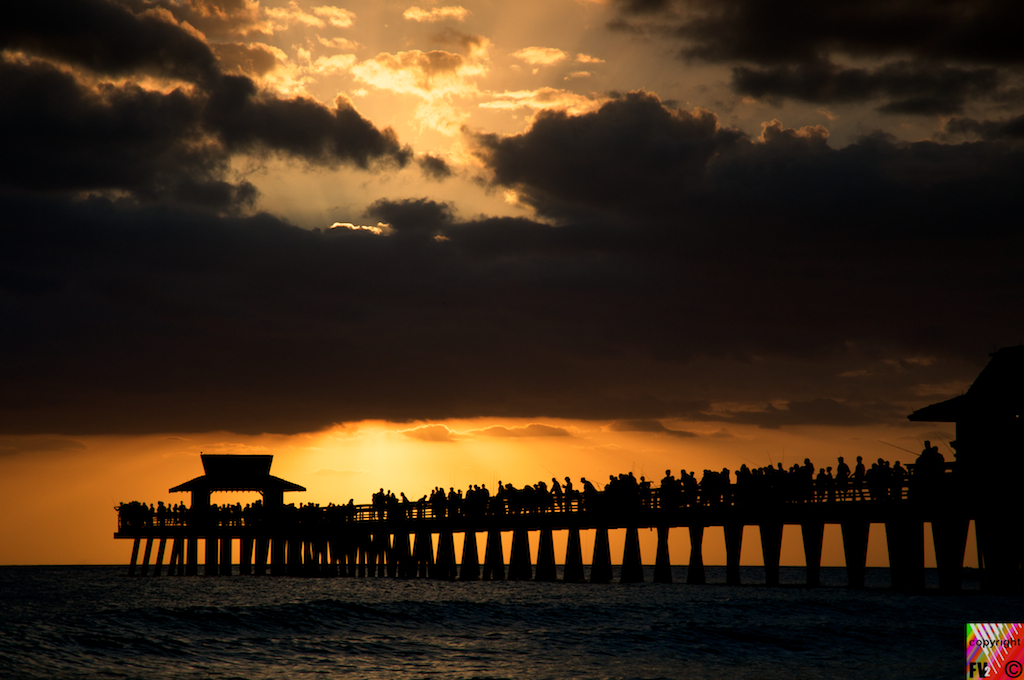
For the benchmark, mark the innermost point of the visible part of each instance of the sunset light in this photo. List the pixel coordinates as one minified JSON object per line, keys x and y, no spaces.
{"x":745,"y":275}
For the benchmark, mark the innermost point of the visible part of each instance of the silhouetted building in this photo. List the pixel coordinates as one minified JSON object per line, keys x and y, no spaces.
{"x":237,"y":473}
{"x":990,"y":459}
{"x":989,"y":426}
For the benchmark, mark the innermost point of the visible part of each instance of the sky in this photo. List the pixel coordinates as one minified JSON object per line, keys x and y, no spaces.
{"x":406,"y":245}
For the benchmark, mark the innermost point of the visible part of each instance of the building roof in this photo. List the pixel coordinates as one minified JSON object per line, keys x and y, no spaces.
{"x":997,"y":392}
{"x":237,"y":473}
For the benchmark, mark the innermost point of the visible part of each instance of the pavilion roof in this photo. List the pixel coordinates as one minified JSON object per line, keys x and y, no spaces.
{"x":237,"y":473}
{"x":998,"y":391}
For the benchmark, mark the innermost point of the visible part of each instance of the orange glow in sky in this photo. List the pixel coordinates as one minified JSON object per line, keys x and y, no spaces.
{"x":60,"y":493}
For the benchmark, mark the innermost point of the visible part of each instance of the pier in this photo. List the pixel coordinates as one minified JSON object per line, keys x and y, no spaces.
{"x":396,"y":540}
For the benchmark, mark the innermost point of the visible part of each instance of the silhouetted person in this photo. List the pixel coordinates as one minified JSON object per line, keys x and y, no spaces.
{"x":859,"y":474}
{"x":842,"y":479}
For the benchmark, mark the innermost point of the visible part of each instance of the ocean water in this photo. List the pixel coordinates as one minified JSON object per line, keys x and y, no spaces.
{"x":97,"y":622}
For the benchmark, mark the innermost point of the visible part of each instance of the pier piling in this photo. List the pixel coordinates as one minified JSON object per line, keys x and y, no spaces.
{"x":695,"y":573}
{"x":601,"y":564}
{"x":573,"y":571}
{"x":662,"y":562}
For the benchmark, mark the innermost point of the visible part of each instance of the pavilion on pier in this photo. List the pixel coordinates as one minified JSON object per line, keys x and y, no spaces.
{"x":237,"y":473}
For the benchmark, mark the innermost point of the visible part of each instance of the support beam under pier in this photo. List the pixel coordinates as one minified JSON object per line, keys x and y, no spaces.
{"x":470,"y":570}
{"x":950,"y":538}
{"x":813,"y":534}
{"x":573,"y":572}
{"x":663,"y":563}
{"x":245,"y":546}
{"x":135,"y":556}
{"x":695,"y":573}
{"x":520,"y":569}
{"x":211,"y":556}
{"x":159,"y":556}
{"x":494,"y":557}
{"x":225,"y":555}
{"x":601,"y":564}
{"x":771,"y":550}
{"x":733,"y":547}
{"x":546,"y":556}
{"x":855,"y":548}
{"x":905,"y":540}
{"x":145,"y":557}
{"x":632,"y":566}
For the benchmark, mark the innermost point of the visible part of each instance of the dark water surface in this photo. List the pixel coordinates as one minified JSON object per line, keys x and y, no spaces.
{"x":96,"y":622}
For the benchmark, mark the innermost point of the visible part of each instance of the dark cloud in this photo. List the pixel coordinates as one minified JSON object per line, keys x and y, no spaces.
{"x":648,"y":426}
{"x":992,"y":130}
{"x":73,"y":135}
{"x":973,"y":31}
{"x":639,"y":160}
{"x":910,"y":88}
{"x":409,"y":216}
{"x":70,"y":138}
{"x":434,"y":167}
{"x":818,"y":411}
{"x":689,"y":265}
{"x":632,"y":153}
{"x":248,"y":120}
{"x":127,"y":319}
{"x":107,"y":38}
{"x":960,"y":49}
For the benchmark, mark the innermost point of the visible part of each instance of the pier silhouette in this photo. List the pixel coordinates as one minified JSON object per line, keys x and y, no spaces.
{"x":392,"y":537}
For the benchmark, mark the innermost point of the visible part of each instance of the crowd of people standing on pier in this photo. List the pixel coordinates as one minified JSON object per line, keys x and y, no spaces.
{"x":800,"y":483}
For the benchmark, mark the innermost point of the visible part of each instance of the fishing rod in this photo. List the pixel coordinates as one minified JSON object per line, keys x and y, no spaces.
{"x":900,"y":448}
